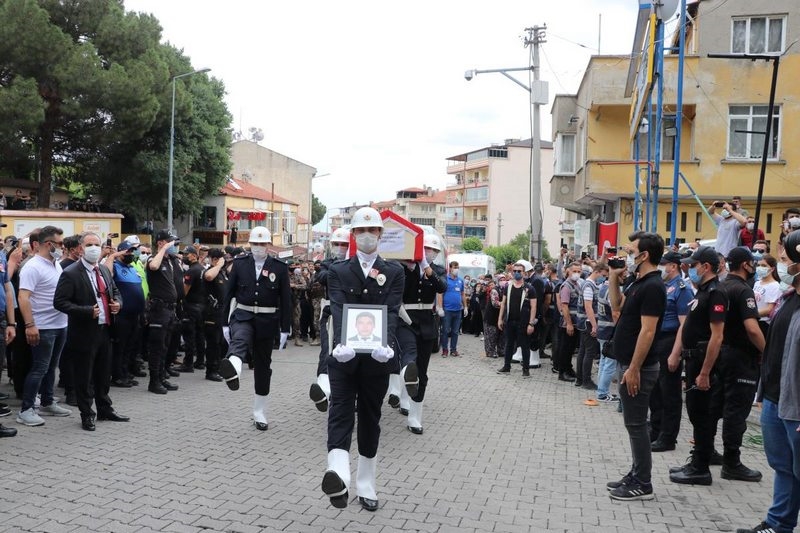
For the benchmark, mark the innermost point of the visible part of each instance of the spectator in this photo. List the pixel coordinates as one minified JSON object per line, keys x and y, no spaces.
{"x":729,"y":223}
{"x":746,"y":233}
{"x":760,"y":248}
{"x":767,"y":289}
{"x":737,"y":202}
{"x":194,"y":290}
{"x":641,"y":312}
{"x":45,"y":326}
{"x":20,"y":201}
{"x":452,"y":307}
{"x":517,"y":319}
{"x":607,"y":368}
{"x":234,"y":236}
{"x":491,"y":311}
{"x":569,"y":337}
{"x":588,"y":326}
{"x":127,"y":322}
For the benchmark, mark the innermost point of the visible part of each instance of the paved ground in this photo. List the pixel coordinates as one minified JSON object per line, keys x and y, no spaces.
{"x":499,"y":453}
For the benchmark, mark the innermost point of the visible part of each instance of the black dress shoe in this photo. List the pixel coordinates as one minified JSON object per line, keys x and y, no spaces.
{"x":261,"y":426}
{"x":415,"y":431}
{"x":228,"y":373}
{"x":121,"y":383}
{"x":716,"y":458}
{"x":367,"y":504}
{"x":137,"y":373}
{"x":334,"y":487}
{"x":403,"y":412}
{"x":213,"y":376}
{"x":691,"y":475}
{"x":536,"y":366}
{"x":661,"y":446}
{"x":394,"y":401}
{"x":571,"y":373}
{"x":133,"y":382}
{"x":7,"y":432}
{"x":72,"y":399}
{"x":318,"y":396}
{"x":171,"y":372}
{"x":87,"y":422}
{"x":187,"y":369}
{"x":578,"y":383}
{"x":740,"y":473}
{"x":199,"y":366}
{"x":156,"y":387}
{"x":169,"y":386}
{"x":563,"y":376}
{"x":113,"y":416}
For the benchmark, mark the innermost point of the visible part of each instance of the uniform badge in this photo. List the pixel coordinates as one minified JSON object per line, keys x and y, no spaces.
{"x":373,"y":273}
{"x":670,"y":290}
{"x":693,"y":305}
{"x":751,"y":303}
{"x":272,"y":277}
{"x":381,"y":279}
{"x":719,"y":308}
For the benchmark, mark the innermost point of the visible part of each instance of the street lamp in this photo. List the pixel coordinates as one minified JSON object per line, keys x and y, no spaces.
{"x":172,"y":144}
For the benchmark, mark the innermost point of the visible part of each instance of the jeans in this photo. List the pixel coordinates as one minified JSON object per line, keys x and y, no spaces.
{"x":634,"y":413}
{"x":782,"y":447}
{"x":451,"y":325}
{"x":605,"y":373}
{"x":44,"y":361}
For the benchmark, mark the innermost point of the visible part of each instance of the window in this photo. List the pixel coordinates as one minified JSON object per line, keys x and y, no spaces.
{"x":454,"y":213}
{"x":746,"y":127}
{"x":208,"y":218}
{"x":683,"y":220}
{"x":565,"y":153}
{"x":668,"y":133}
{"x":758,"y":35}
{"x":423,"y":221}
{"x":479,"y":194}
{"x":769,"y":223}
{"x":698,"y":222}
{"x":668,"y":223}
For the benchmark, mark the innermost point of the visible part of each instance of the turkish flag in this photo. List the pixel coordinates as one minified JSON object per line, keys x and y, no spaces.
{"x":607,"y":235}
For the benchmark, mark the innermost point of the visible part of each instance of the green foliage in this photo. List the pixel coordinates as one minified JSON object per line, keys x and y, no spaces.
{"x":318,"y":210}
{"x":503,"y":254}
{"x":85,"y":90}
{"x":472,"y":244}
{"x":522,"y":244}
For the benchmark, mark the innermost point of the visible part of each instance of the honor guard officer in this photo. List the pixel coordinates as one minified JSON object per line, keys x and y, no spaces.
{"x":359,"y":381}
{"x":320,"y":391}
{"x":261,"y":311}
{"x":700,"y":341}
{"x":417,"y":333}
{"x":162,"y":270}
{"x":738,"y":364}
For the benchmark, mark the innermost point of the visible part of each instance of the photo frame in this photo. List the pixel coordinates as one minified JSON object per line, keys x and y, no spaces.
{"x":364,"y":327}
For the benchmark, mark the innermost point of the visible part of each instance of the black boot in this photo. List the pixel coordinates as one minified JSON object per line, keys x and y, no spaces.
{"x":692,"y":473}
{"x":156,"y":386}
{"x":563,"y":376}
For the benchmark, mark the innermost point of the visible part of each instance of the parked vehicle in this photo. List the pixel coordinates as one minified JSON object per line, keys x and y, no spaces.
{"x":473,"y":264}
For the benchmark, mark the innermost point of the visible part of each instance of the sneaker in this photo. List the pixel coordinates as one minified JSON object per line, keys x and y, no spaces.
{"x":4,"y":410}
{"x":763,"y":527}
{"x":454,"y":354}
{"x":55,"y":410}
{"x":29,"y":417}
{"x":608,"y":398}
{"x":627,"y":478}
{"x":444,"y":353}
{"x":633,"y":490}
{"x":504,"y":370}
{"x":526,"y":373}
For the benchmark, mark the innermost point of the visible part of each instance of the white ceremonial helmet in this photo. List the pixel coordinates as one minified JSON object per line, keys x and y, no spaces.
{"x":340,"y":235}
{"x":260,"y":234}
{"x":366,"y":217}
{"x":432,"y":241}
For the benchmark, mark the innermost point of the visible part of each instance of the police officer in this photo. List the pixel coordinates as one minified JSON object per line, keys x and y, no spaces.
{"x":262,"y":311}
{"x":215,"y":277}
{"x":666,"y":401}
{"x":321,"y":390}
{"x":568,"y":334}
{"x":194,"y":302}
{"x":359,"y":381}
{"x":162,"y":269}
{"x":738,"y":364}
{"x":700,"y":341}
{"x":417,"y":332}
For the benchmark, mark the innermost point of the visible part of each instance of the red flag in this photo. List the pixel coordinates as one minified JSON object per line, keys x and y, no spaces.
{"x":607,"y":235}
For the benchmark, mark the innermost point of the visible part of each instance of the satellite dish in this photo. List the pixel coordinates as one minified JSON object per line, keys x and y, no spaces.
{"x":664,"y":8}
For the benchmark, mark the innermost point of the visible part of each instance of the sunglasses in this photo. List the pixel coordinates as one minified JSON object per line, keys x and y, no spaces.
{"x":518,"y":271}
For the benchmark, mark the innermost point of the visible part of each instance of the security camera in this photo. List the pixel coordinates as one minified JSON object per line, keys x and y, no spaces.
{"x":468,"y":75}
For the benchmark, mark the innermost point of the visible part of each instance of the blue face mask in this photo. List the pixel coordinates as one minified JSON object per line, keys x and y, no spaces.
{"x":601,"y":280}
{"x":517,"y":276}
{"x":173,"y":250}
{"x":696,"y":279}
{"x":757,"y":255}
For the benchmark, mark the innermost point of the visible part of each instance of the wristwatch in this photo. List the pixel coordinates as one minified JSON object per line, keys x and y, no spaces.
{"x":535,"y":321}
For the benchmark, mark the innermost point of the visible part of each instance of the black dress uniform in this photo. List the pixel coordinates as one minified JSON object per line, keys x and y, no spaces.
{"x":212,"y":323}
{"x":162,"y":318}
{"x":417,"y":340}
{"x":192,"y":322}
{"x":321,"y":390}
{"x":738,"y":372}
{"x":263,"y":311}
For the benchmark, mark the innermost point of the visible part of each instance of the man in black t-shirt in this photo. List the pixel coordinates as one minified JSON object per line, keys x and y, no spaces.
{"x":641,"y":312}
{"x":194,"y":302}
{"x":517,"y":319}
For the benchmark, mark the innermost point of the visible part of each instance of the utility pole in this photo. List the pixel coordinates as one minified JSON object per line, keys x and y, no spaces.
{"x":499,"y":225}
{"x":538,"y":91}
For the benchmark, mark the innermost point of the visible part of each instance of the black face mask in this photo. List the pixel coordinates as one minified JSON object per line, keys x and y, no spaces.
{"x":127,"y":259}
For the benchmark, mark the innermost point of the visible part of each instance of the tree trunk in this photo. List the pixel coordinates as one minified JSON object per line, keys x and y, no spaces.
{"x":52,"y":115}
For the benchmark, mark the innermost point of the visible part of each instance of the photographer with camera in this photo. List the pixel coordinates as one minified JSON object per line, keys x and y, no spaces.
{"x":729,"y":223}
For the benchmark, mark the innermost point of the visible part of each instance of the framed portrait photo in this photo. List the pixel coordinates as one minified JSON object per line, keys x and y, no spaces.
{"x":364,"y":326}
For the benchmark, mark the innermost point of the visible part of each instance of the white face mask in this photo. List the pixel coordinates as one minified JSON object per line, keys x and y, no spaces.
{"x":92,"y":253}
{"x":783,"y":273}
{"x":339,"y":252}
{"x":664,"y":273}
{"x":750,"y":226}
{"x":454,"y":271}
{"x":143,"y":257}
{"x":367,"y":242}
{"x":630,"y":262}
{"x":725,"y":213}
{"x":794,"y":222}
{"x":431,"y":256}
{"x":761,"y":272}
{"x":259,"y":252}
{"x":574,"y":277}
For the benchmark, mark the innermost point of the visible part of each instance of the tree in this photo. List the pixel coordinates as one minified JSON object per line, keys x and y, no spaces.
{"x":318,"y":210}
{"x":472,"y":244}
{"x":503,"y":254}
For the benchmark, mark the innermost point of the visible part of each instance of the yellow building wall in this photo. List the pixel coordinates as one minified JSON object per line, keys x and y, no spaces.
{"x":21,"y":223}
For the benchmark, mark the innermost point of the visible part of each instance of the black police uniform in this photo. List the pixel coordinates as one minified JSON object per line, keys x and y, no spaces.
{"x":192,"y":321}
{"x":361,"y":383}
{"x":709,"y":305}
{"x":270,"y":298}
{"x":212,"y":322}
{"x":416,"y":341}
{"x":321,"y":277}
{"x":162,"y":318}
{"x":737,"y":368}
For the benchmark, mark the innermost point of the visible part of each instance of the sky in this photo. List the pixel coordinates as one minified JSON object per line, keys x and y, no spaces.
{"x":372,"y":94}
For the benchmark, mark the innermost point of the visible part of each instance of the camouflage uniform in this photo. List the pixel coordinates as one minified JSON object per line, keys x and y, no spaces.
{"x":298,"y":285}
{"x":316,"y":293}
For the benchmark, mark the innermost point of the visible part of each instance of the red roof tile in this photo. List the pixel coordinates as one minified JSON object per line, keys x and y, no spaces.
{"x":248,"y":190}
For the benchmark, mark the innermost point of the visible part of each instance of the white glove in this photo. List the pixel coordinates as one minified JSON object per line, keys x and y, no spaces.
{"x":226,"y":333}
{"x":343,"y":354}
{"x":440,"y":312}
{"x":282,"y":343}
{"x":424,"y":263}
{"x":466,"y":311}
{"x":382,"y":354}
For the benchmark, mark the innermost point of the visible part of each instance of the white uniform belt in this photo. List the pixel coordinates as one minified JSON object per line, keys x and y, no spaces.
{"x":256,"y":309}
{"x":419,"y":306}
{"x":323,"y":303}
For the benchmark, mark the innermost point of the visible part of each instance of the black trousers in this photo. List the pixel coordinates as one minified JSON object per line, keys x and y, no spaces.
{"x":415,"y":348}
{"x":356,"y":388}
{"x":92,"y":365}
{"x":324,"y":340}
{"x":566,"y":347}
{"x":162,"y":331}
{"x":212,"y":330}
{"x":247,"y":337}
{"x":737,"y":373}
{"x":589,"y":351}
{"x":516,"y":334}
{"x":125,"y":340}
{"x":21,"y":358}
{"x":698,"y":407}
{"x":666,"y":400}
{"x":193,"y":334}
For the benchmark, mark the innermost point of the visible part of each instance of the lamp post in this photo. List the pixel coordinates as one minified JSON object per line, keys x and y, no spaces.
{"x":538,"y":96}
{"x":172,"y":144}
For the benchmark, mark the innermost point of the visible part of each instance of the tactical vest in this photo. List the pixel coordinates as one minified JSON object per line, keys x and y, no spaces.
{"x":605,"y":322}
